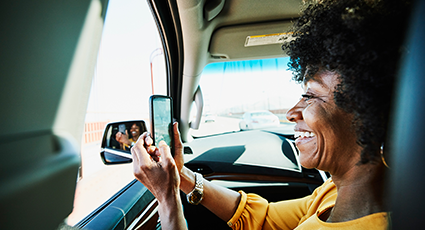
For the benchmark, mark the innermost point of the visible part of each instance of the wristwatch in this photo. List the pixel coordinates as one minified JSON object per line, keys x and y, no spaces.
{"x":196,"y":195}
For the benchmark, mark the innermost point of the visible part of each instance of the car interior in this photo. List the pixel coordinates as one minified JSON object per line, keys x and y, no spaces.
{"x":49,"y":52}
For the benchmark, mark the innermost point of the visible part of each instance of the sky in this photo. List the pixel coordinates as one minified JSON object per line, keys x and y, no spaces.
{"x":121,"y":85}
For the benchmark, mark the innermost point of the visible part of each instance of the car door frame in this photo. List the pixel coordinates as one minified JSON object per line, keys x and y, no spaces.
{"x":134,"y":204}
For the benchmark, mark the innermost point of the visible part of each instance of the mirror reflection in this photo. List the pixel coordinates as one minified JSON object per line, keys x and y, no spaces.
{"x":123,"y":135}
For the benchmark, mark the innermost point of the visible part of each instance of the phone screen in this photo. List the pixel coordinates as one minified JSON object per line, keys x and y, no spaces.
{"x":161,"y":119}
{"x":121,"y":128}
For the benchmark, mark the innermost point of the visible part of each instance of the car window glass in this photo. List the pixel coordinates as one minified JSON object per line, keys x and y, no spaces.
{"x":238,"y":92}
{"x":129,"y":53}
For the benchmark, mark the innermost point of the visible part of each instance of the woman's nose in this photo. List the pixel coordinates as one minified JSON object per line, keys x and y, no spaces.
{"x":295,"y":113}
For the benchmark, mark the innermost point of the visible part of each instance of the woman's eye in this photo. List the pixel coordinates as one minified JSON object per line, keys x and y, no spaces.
{"x":307,"y":97}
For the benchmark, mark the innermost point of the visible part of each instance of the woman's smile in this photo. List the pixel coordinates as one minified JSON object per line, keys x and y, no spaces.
{"x":303,"y":137}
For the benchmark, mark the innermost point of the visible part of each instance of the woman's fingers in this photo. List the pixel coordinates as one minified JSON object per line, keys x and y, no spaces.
{"x":139,"y":152}
{"x":158,"y":175}
{"x":178,"y":147}
{"x":148,"y":140}
{"x":164,"y":150}
{"x":168,"y":163}
{"x":177,"y":141}
{"x":118,"y":136}
{"x":150,"y":149}
{"x":148,"y":144}
{"x":143,"y":137}
{"x":145,"y":152}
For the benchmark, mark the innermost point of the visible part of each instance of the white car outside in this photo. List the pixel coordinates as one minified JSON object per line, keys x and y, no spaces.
{"x":258,"y":120}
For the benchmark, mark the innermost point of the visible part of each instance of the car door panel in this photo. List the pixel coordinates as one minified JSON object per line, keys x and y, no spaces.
{"x":120,"y":210}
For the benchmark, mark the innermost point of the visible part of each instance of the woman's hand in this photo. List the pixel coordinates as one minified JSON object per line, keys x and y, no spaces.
{"x":123,"y":138}
{"x":165,"y":176}
{"x":155,"y":153}
{"x":156,"y":168}
{"x":178,"y":148}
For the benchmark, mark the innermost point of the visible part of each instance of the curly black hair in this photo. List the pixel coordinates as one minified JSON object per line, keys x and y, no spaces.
{"x":360,"y":40}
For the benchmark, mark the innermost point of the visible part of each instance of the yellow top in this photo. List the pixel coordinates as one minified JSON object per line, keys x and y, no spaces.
{"x":254,"y":212}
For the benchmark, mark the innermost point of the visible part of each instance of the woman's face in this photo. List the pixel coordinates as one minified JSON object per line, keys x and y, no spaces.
{"x":323,"y":131}
{"x":135,"y":131}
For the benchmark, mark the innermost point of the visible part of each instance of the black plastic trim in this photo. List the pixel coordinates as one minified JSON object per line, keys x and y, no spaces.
{"x":167,"y":20}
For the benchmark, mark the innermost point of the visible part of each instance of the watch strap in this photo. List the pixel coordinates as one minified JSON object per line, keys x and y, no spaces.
{"x":196,"y":195}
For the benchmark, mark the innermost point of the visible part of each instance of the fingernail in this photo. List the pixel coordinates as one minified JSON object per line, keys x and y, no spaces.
{"x":162,"y":143}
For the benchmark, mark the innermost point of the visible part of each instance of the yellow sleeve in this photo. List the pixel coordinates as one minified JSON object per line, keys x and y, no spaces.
{"x":287,"y":214}
{"x":255,"y":212}
{"x":250,"y":213}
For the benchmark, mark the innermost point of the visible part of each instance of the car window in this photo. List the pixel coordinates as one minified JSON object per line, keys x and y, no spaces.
{"x":129,"y":53}
{"x":236,"y":92}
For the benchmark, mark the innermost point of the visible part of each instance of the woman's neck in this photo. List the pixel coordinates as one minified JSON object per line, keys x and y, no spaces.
{"x":360,"y":192}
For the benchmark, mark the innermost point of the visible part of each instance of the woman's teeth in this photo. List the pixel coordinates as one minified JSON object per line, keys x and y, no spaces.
{"x":304,"y":134}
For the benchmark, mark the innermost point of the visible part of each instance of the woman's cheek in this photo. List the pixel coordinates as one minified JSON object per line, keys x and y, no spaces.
{"x":309,"y":116}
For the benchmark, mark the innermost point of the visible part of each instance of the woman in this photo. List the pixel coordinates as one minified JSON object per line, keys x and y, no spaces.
{"x":345,"y":55}
{"x":128,"y":140}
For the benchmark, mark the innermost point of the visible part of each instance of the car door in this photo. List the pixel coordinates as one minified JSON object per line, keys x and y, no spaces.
{"x":133,"y":206}
{"x":49,"y":51}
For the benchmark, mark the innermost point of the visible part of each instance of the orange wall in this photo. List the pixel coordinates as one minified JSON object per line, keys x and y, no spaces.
{"x":93,"y":131}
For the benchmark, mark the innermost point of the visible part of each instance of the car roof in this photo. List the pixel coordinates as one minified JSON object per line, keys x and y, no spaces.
{"x":222,"y":38}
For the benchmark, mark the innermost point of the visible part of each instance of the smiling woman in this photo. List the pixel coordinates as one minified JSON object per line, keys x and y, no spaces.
{"x":354,"y":49}
{"x":339,"y":56}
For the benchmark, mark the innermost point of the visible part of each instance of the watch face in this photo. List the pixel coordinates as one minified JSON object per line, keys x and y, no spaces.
{"x":196,"y":196}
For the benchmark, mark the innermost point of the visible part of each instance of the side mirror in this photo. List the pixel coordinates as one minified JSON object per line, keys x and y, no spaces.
{"x":118,"y":138}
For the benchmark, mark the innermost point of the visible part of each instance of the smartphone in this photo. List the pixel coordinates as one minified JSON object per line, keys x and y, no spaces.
{"x":161,"y":119}
{"x":121,"y":128}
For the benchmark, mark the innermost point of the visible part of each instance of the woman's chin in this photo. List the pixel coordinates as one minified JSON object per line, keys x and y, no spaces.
{"x":307,"y":159}
{"x":308,"y":165}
